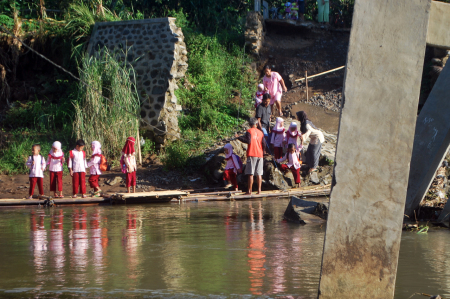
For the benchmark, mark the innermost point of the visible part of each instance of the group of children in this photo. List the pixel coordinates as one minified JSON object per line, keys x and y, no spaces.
{"x":280,"y":139}
{"x":77,"y":167}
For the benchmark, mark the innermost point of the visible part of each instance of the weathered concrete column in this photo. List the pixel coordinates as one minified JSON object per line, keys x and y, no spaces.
{"x":431,"y":142}
{"x":376,"y":132}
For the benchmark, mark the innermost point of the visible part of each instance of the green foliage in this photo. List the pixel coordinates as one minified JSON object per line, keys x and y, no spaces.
{"x":148,"y":147}
{"x":95,"y":117}
{"x":6,"y":21}
{"x":182,"y":155}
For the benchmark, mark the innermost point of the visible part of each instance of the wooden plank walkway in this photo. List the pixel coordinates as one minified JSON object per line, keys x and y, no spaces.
{"x":167,"y":196}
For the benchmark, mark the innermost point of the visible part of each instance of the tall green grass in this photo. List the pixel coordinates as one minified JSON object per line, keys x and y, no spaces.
{"x":95,"y":117}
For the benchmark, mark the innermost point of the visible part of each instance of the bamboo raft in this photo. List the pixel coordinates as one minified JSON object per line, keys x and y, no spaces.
{"x":167,"y":196}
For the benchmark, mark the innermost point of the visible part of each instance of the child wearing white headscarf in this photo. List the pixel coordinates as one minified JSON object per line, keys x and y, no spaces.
{"x":293,"y":162}
{"x":259,"y":95}
{"x":94,"y":167}
{"x":277,"y":139}
{"x":292,"y":136}
{"x":232,"y":168}
{"x":55,"y":166}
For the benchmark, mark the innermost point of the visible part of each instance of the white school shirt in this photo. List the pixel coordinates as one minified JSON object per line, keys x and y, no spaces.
{"x":130,"y":161}
{"x":78,"y":163}
{"x":54,"y":165}
{"x":36,"y":170}
{"x":94,"y":165}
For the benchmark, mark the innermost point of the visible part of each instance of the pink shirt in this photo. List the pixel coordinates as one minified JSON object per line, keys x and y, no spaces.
{"x":36,"y":170}
{"x":292,"y":160}
{"x":232,"y":163}
{"x":293,"y":140}
{"x":273,"y":84}
{"x":277,"y":138}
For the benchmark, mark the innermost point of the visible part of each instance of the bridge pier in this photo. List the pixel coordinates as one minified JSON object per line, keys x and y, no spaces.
{"x":375,"y":141}
{"x":431,"y":141}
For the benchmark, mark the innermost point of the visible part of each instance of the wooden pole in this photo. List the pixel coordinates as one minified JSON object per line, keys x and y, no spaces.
{"x":139,"y":144}
{"x":306,"y":77}
{"x":321,"y":74}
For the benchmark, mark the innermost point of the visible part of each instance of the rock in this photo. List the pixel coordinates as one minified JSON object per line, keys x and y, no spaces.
{"x":321,"y":210}
{"x":215,"y":167}
{"x":436,"y":297}
{"x":275,"y":178}
{"x":301,"y":211}
{"x":314,"y":178}
{"x":114,"y":181}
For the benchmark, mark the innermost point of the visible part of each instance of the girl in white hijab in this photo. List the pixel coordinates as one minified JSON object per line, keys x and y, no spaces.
{"x":232,"y":168}
{"x":55,"y":166}
{"x":277,"y":139}
{"x":94,"y":167}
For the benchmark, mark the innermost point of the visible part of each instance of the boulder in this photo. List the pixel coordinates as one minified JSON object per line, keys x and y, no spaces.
{"x":114,"y":181}
{"x":273,"y":177}
{"x":301,"y":211}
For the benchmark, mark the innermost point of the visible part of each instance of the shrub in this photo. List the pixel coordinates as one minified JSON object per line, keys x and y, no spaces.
{"x":99,"y":119}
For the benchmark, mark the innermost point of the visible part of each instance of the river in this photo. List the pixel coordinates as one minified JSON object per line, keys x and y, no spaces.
{"x":193,"y":250}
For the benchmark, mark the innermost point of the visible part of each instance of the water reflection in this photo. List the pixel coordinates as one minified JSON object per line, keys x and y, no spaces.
{"x":188,"y":250}
{"x":256,"y":254}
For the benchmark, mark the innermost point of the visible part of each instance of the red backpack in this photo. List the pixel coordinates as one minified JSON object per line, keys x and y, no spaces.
{"x":103,"y":166}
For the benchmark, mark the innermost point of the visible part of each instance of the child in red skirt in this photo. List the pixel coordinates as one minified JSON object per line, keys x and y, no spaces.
{"x":232,"y":168}
{"x":277,"y":139}
{"x":94,"y":168}
{"x":36,"y":164}
{"x":55,"y":166}
{"x":129,"y":159}
{"x":293,"y":162}
{"x":77,"y":167}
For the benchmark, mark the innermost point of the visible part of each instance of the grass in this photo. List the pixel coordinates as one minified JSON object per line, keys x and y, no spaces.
{"x":99,"y":119}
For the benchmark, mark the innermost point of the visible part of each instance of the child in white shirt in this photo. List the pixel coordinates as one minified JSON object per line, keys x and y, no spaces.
{"x":55,"y":166}
{"x":77,"y":167}
{"x":36,"y":164}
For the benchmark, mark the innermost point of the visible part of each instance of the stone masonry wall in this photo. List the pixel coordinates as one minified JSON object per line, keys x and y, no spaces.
{"x":156,"y":50}
{"x":254,"y":31}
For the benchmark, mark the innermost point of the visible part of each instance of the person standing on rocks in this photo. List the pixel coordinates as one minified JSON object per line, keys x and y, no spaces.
{"x":263,"y":112}
{"x":255,"y":152}
{"x":274,"y":84}
{"x":308,"y":129}
{"x":323,"y":8}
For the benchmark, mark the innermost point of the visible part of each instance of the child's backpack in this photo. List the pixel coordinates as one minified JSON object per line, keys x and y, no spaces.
{"x":123,"y":166}
{"x":103,"y":165}
{"x":241,"y":166}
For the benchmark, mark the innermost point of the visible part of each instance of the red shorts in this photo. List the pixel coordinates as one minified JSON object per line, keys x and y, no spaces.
{"x":79,"y":180}
{"x":93,"y":180}
{"x":295,"y":172}
{"x":131,"y":179}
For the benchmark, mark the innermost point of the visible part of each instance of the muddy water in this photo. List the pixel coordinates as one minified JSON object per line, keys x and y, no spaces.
{"x":324,"y":119}
{"x":194,"y":250}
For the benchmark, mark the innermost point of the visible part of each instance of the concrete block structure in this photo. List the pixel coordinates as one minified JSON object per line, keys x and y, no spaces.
{"x":156,"y":50}
{"x":375,"y":141}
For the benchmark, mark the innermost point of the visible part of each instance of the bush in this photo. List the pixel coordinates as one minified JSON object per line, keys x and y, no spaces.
{"x":99,"y":119}
{"x":182,"y":155}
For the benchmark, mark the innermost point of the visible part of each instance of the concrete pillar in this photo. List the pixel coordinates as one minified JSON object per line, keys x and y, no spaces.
{"x":376,"y":132}
{"x":431,"y":141}
{"x":438,"y":28}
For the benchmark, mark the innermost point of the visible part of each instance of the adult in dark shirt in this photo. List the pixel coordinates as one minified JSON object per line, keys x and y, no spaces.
{"x":263,"y":113}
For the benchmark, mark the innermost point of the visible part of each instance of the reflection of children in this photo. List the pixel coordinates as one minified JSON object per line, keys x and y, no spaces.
{"x":278,"y":138}
{"x":293,"y":162}
{"x":94,"y":167}
{"x":77,"y":167}
{"x":129,"y":158}
{"x":232,"y":167}
{"x":36,"y":164}
{"x":55,"y":166}
{"x":259,"y":95}
{"x":292,"y":136}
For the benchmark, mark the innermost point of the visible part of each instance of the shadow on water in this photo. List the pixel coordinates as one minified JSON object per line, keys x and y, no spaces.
{"x":192,"y":250}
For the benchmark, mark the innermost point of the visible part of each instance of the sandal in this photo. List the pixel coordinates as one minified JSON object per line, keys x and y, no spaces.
{"x":84,"y":196}
{"x":75,"y":196}
{"x":31,"y":197}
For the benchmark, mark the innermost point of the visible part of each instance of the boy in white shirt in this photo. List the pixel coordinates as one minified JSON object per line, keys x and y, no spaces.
{"x":36,"y":164}
{"x":77,"y":167}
